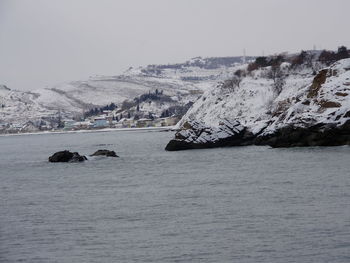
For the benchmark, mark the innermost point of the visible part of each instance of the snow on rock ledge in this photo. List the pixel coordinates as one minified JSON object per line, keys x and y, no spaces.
{"x":197,"y":135}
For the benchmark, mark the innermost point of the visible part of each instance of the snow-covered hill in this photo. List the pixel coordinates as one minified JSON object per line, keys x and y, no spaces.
{"x":305,"y":100}
{"x":185,"y":82}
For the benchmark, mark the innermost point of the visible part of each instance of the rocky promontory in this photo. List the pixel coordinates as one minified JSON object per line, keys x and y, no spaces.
{"x":307,"y":109}
{"x":199,"y":137}
{"x":196,"y":135}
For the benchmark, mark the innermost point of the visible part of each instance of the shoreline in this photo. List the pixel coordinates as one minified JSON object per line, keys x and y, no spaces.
{"x":166,"y":128}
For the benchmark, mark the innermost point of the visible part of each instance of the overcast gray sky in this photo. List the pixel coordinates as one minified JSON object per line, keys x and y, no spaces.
{"x":44,"y":42}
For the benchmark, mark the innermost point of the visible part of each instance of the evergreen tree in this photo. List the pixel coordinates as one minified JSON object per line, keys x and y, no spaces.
{"x":165,"y":114}
{"x":327,"y":57}
{"x":112,"y":106}
{"x":261,"y":61}
{"x":342,"y":53}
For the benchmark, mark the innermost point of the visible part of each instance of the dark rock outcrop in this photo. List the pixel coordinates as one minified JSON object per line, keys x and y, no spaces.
{"x":316,"y":135}
{"x":66,"y":156}
{"x":107,"y":153}
{"x":196,"y":135}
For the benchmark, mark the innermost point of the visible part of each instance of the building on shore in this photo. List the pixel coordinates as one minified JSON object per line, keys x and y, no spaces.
{"x":101,"y":122}
{"x":83,"y":125}
{"x":171,"y":121}
{"x":128,"y":123}
{"x":69,"y":124}
{"x":143,"y":123}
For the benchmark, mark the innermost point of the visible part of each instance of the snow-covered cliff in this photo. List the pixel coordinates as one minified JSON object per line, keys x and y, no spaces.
{"x":305,"y":100}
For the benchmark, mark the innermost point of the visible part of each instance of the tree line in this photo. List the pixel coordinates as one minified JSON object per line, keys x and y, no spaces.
{"x":97,"y":111}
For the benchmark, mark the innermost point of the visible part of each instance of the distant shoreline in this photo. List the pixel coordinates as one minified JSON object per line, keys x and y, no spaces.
{"x":166,"y":128}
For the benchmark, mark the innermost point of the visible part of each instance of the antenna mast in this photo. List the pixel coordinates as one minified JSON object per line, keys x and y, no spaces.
{"x":244,"y":56}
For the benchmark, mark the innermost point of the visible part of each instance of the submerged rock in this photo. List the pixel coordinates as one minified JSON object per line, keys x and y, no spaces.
{"x":66,"y":156}
{"x":107,"y":153}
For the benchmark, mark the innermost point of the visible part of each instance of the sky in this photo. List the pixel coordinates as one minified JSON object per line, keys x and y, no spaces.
{"x":46,"y":42}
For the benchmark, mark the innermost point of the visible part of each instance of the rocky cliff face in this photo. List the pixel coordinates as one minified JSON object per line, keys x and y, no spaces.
{"x":310,"y":110}
{"x":196,"y":135}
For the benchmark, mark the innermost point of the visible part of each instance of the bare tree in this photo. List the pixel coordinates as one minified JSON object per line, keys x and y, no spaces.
{"x":278,"y":85}
{"x":231,"y":84}
{"x":311,"y":62}
{"x":235,"y":81}
{"x":278,"y":77}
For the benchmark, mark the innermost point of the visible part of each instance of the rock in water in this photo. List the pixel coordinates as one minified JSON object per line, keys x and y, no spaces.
{"x":66,"y":156}
{"x":316,"y":135}
{"x":196,"y":135}
{"x":107,"y":153}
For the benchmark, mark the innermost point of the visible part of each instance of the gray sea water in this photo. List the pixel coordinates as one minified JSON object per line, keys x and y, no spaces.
{"x":242,"y":204}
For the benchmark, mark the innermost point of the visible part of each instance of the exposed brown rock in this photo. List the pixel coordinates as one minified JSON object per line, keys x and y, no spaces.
{"x":329,"y":104}
{"x":343,"y":94}
{"x":319,"y":79}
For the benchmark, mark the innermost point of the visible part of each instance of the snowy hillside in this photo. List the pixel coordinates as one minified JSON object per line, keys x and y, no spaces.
{"x":19,"y":107}
{"x":184,"y":82}
{"x":304,"y":100}
{"x":254,"y":103}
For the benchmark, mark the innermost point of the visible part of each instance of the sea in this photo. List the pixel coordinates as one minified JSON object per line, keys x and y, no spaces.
{"x":237,"y":204}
